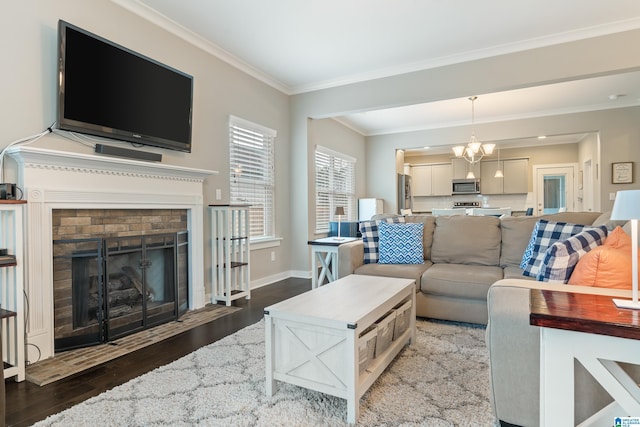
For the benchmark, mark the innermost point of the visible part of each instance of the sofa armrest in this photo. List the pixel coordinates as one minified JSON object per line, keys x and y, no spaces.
{"x":514,"y":348}
{"x":350,"y":257}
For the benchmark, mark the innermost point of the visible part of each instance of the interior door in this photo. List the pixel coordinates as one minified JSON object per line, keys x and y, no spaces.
{"x":555,"y":190}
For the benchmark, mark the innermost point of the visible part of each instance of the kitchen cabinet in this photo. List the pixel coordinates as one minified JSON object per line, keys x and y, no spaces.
{"x":431,"y":180}
{"x":461,"y":167}
{"x":515,"y":181}
{"x":421,"y":180}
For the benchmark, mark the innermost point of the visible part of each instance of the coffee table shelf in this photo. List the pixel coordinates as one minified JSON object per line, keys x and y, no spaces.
{"x":312,"y":340}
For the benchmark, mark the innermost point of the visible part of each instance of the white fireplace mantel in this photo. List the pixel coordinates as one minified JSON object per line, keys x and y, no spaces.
{"x":54,"y":179}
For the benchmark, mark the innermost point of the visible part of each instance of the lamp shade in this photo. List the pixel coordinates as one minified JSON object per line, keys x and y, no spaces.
{"x":339,"y":210}
{"x":626,"y":205}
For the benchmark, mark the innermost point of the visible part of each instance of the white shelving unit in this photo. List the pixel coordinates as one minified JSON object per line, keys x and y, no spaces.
{"x":229,"y":253}
{"x":12,"y":290}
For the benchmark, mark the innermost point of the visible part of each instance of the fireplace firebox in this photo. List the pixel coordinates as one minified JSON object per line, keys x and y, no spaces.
{"x":109,"y":287}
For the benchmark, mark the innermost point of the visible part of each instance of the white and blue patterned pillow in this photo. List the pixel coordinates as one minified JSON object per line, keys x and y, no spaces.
{"x":369,"y":231}
{"x":561,"y":258}
{"x":547,"y":233}
{"x":528,"y":251}
{"x":401,"y":243}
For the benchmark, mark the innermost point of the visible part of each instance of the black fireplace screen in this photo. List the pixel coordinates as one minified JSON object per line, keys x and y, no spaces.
{"x":107,"y":288}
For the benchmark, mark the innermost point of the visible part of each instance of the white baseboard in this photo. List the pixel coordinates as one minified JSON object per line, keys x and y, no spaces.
{"x":264,"y":281}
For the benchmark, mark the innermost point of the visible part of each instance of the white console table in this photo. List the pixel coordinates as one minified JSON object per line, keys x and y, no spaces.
{"x":593,"y":331}
{"x":325,"y":251}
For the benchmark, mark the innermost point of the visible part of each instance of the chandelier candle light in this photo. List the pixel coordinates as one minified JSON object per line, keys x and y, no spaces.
{"x":474,"y":151}
{"x":627,"y":207}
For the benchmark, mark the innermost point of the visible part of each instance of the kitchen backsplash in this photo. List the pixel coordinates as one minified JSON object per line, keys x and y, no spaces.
{"x":517,"y":202}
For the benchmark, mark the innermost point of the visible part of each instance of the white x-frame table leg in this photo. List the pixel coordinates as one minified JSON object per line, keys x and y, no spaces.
{"x":328,"y":258}
{"x":600,"y":355}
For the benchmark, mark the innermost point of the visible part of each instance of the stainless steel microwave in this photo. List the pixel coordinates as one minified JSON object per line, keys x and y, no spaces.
{"x":465,"y":186}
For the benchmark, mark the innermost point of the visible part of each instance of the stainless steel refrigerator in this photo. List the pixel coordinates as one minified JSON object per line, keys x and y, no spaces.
{"x":405,"y":199}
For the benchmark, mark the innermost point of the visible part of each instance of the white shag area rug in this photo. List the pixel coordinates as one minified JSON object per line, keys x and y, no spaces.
{"x":440,"y":380}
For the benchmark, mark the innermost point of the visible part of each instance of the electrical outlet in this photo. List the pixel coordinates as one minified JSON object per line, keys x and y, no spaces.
{"x":612,"y":196}
{"x":273,"y":255}
{"x":218,"y":194}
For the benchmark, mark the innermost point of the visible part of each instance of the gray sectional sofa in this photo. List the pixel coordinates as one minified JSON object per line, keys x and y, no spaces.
{"x":463,"y":257}
{"x":471,"y":273}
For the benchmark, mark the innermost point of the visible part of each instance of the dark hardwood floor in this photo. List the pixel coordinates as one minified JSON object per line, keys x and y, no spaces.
{"x":27,"y":403}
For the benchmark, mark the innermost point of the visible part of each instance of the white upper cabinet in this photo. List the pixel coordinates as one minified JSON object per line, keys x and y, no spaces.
{"x":431,"y":180}
{"x":461,"y":167}
{"x":515,"y":181}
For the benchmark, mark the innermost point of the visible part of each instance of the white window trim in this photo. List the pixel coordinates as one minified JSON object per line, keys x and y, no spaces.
{"x":235,"y":121}
{"x":345,"y":157}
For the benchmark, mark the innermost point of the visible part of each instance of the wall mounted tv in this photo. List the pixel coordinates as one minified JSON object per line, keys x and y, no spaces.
{"x":107,"y":90}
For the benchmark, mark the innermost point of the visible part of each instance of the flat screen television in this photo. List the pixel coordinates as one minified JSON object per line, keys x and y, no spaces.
{"x":107,"y":90}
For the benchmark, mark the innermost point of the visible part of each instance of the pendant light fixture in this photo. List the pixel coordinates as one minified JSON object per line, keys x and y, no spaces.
{"x":499,"y":173}
{"x":474,"y":151}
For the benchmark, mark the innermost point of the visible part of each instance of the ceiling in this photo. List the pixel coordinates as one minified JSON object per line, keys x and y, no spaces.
{"x":299,"y":46}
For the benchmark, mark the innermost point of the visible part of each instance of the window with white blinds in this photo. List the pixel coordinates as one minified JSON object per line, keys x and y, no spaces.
{"x":251,"y":169}
{"x":335,"y":186}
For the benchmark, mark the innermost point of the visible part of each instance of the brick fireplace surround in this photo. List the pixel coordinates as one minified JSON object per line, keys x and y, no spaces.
{"x":55,"y":180}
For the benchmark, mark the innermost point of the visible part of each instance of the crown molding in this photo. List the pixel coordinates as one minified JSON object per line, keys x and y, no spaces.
{"x":146,"y":12}
{"x":162,"y":21}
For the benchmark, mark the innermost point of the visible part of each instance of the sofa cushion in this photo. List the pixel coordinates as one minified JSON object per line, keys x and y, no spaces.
{"x":605,"y":219}
{"x":460,"y":280}
{"x":586,"y":218}
{"x":512,"y":272}
{"x":516,"y":232}
{"x":404,"y":271}
{"x":544,"y":234}
{"x":370,"y":237}
{"x":400,"y":243}
{"x":561,"y":257}
{"x":466,"y":240}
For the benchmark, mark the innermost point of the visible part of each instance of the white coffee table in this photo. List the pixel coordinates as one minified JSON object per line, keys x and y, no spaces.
{"x":312,"y":339}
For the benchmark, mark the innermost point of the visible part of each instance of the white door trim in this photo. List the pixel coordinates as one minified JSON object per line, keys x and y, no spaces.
{"x":538,"y":173}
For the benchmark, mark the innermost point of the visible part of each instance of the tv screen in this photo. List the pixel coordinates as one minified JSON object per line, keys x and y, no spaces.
{"x":107,"y":90}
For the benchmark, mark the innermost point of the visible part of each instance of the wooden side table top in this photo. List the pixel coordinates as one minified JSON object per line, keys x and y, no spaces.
{"x":331,"y":241}
{"x":594,"y":314}
{"x":6,"y":313}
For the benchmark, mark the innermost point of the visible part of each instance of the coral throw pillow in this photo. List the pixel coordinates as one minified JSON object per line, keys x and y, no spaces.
{"x":607,"y":266}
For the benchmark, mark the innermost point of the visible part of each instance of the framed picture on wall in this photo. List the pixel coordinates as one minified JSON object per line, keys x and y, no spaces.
{"x":622,"y":173}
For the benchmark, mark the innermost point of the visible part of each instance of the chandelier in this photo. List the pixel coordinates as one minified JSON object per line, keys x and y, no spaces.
{"x":474,"y":151}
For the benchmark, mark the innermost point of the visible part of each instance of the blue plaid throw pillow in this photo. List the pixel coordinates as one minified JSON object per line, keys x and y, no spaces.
{"x":547,"y":233}
{"x":561,"y":258}
{"x":401,"y":243}
{"x":370,"y":238}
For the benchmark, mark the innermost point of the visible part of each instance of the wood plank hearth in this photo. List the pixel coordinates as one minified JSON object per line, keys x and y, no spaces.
{"x":71,"y":362}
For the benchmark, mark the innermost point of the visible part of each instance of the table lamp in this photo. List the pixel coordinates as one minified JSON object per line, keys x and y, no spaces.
{"x":339,"y":212}
{"x":627,"y":207}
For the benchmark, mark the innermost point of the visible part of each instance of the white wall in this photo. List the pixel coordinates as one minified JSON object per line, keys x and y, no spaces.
{"x":28,"y":105}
